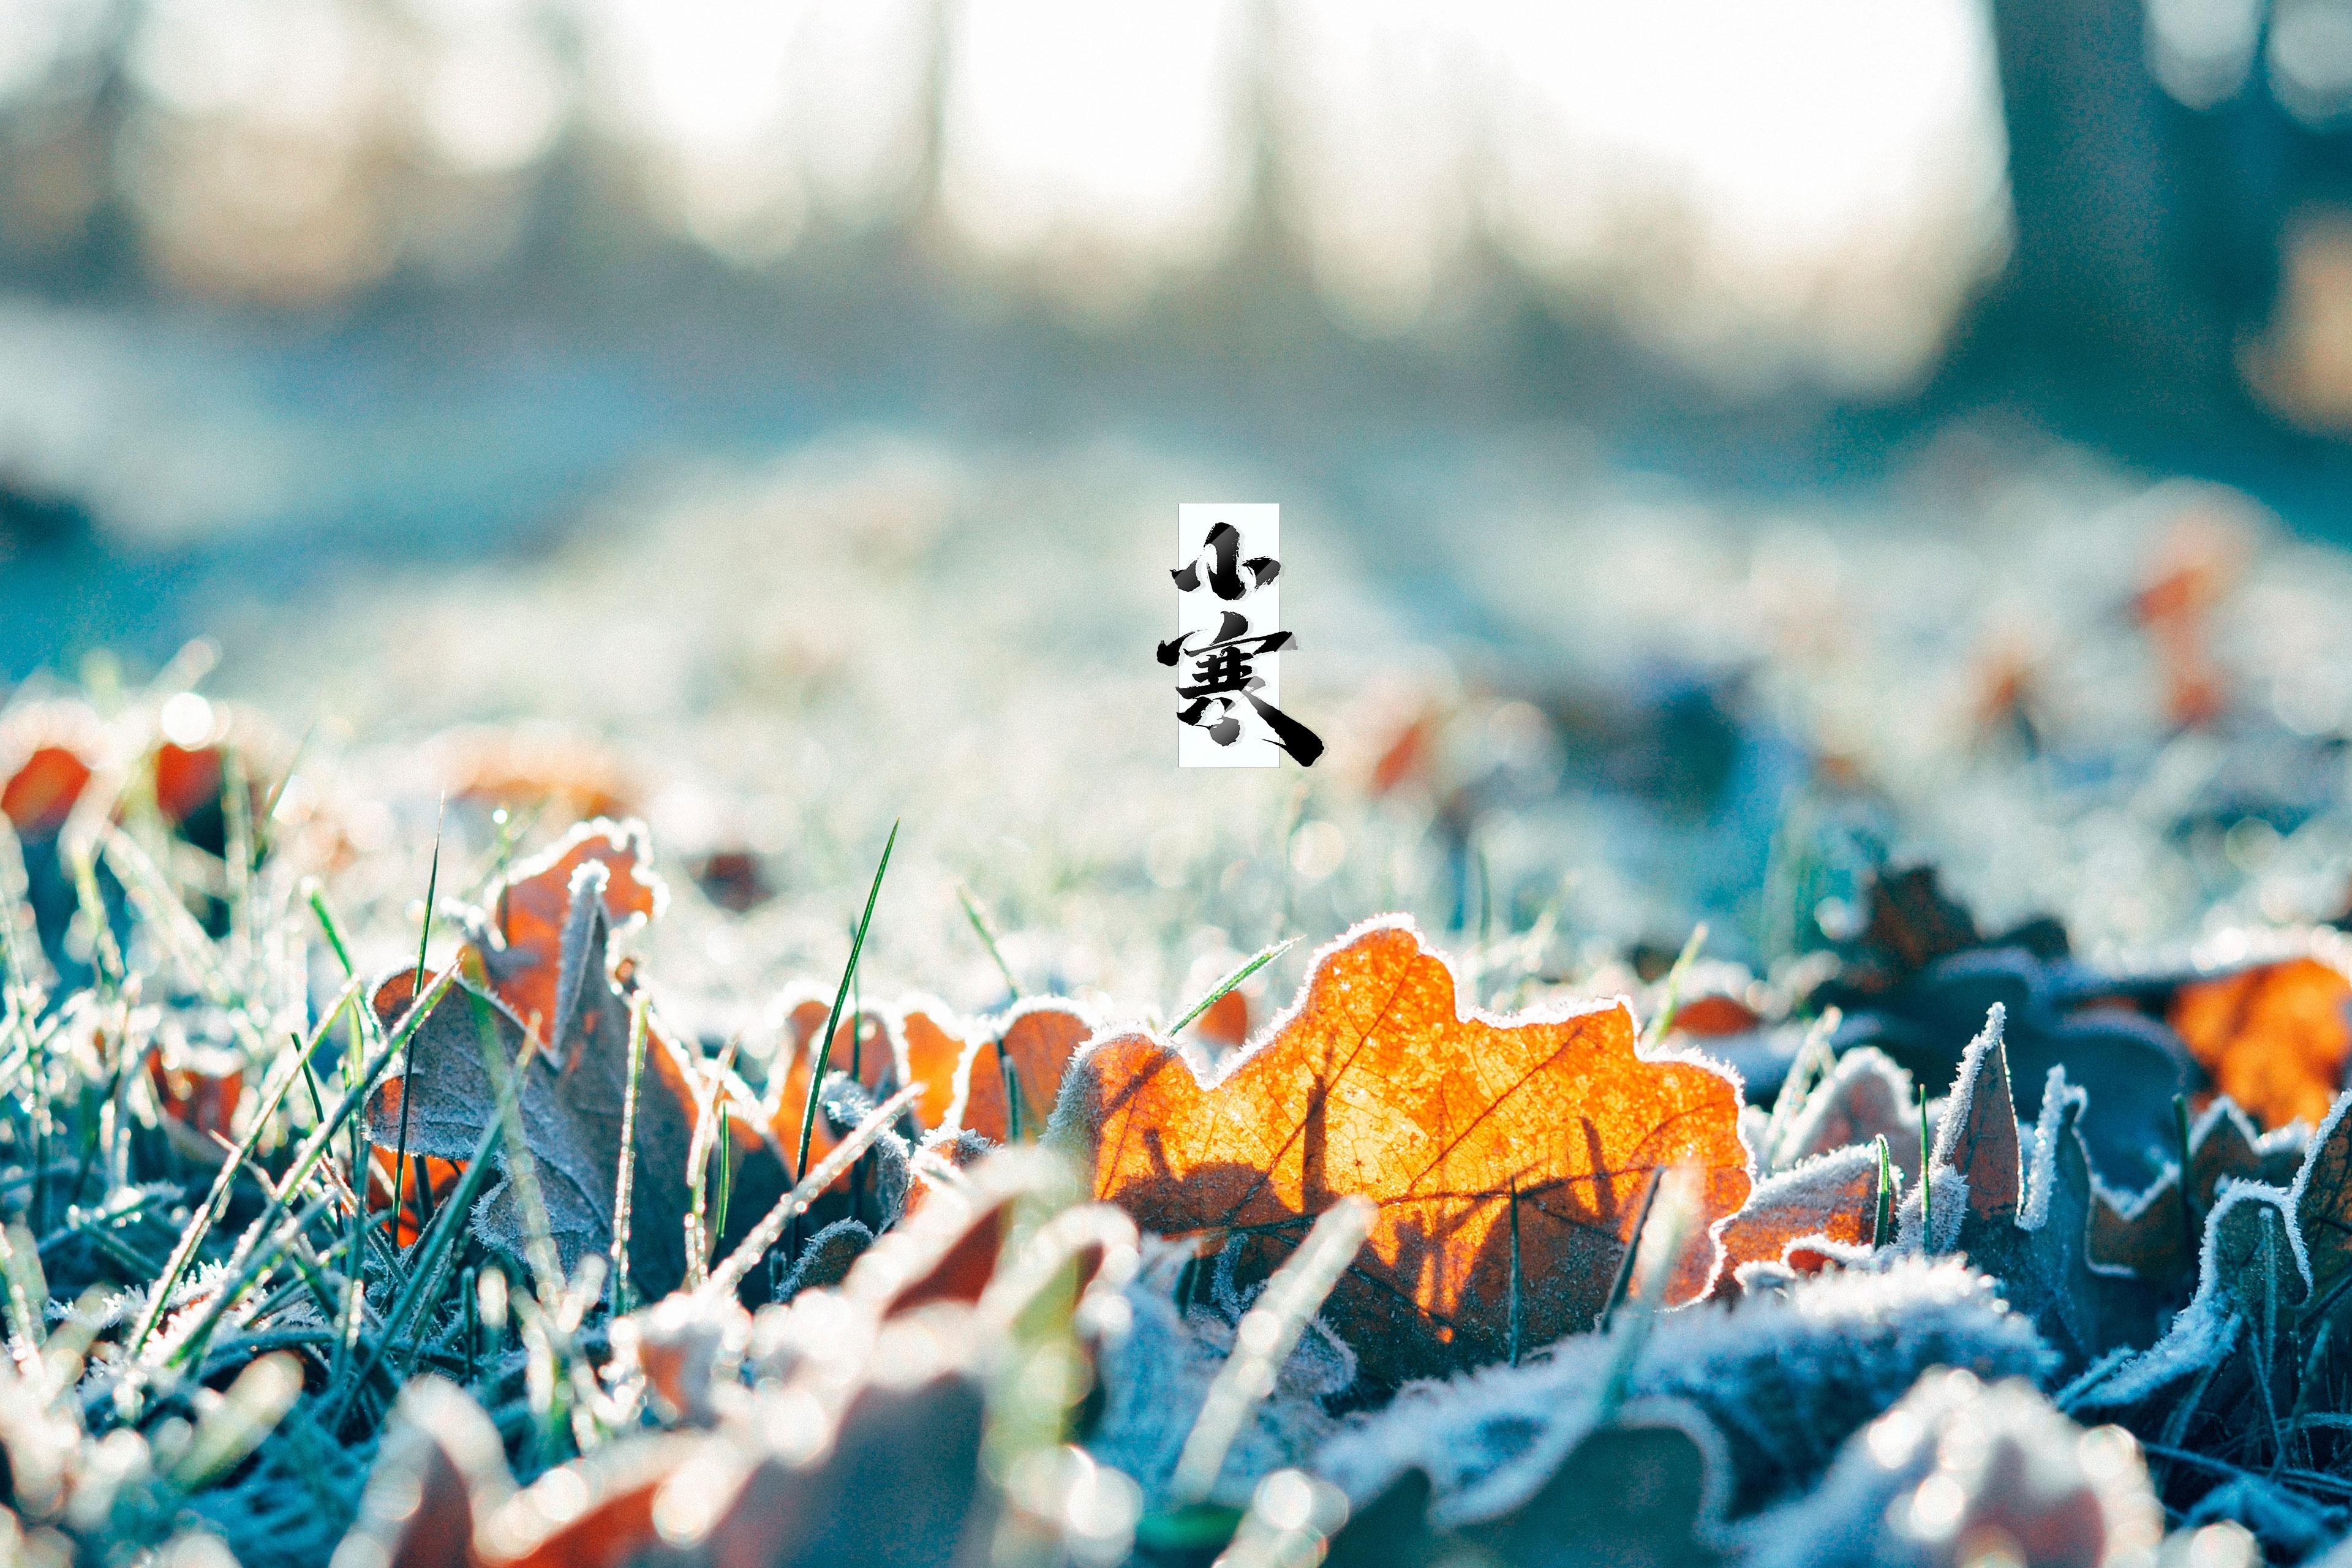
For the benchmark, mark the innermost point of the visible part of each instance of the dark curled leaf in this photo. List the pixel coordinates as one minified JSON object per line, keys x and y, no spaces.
{"x":2130,"y":1066}
{"x":1785,"y":1377}
{"x":826,"y":1261}
{"x":574,"y":1089}
{"x":1644,"y":1491}
{"x":2155,"y":1233}
{"x":2028,"y":1226}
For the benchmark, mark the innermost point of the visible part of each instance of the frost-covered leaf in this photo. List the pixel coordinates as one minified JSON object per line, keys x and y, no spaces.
{"x":1645,"y":1491}
{"x":1833,"y":1198}
{"x":1155,"y":1378}
{"x":521,"y":935}
{"x":1785,"y":1377}
{"x":2322,"y":1208}
{"x":962,"y":1062}
{"x":2130,"y":1065}
{"x":2251,"y":1279}
{"x":441,"y":1467}
{"x":1961,"y":1472}
{"x":1509,"y":1158}
{"x":2155,"y":1233}
{"x":1865,"y":1096}
{"x":556,"y":971}
{"x":2028,"y":1227}
{"x":869,"y":1454}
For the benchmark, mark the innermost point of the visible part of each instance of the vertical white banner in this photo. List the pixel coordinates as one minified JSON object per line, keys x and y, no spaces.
{"x":1201,"y":613}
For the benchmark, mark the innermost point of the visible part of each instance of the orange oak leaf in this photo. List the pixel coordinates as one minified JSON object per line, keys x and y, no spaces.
{"x":872,"y":1055}
{"x":1833,"y":1198}
{"x":521,"y":941}
{"x":557,"y":777}
{"x":1509,"y":1158}
{"x":2274,"y":1037}
{"x":962,"y":1064}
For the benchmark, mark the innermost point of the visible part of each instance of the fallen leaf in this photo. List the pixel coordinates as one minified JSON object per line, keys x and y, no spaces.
{"x":1831,"y":1198}
{"x":434,"y":1177}
{"x":684,"y":1346}
{"x":530,"y":771}
{"x":188,"y":781}
{"x":2321,"y":1205}
{"x":1714,"y":1016}
{"x":197,"y":1089}
{"x":1646,"y":1491}
{"x":1911,"y":923}
{"x":41,"y":789}
{"x":2029,"y":1229}
{"x":888,"y":1474}
{"x":596,"y":1511}
{"x":1377,"y":1084}
{"x":2131,"y":1065}
{"x":951,"y":1250}
{"x":549,"y":974}
{"x":441,"y":1495}
{"x":521,"y":942}
{"x":864,"y":1042}
{"x":2153,"y":1233}
{"x":961,"y":1065}
{"x":2274,"y":1037}
{"x":826,"y":1260}
{"x":2233,"y":1337}
{"x":441,"y":1465}
{"x":733,"y":878}
{"x":1225,"y":1023}
{"x":1864,"y":1097}
{"x":1964,"y":1471}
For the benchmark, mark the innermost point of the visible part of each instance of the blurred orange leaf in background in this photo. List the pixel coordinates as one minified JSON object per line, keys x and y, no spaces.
{"x":2274,"y":1037}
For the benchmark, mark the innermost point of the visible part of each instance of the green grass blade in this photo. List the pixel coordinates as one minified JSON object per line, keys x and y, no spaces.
{"x":832,"y":1019}
{"x":1265,"y":957}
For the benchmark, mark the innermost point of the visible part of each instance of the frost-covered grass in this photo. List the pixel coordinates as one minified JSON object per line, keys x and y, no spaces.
{"x":776,"y":666}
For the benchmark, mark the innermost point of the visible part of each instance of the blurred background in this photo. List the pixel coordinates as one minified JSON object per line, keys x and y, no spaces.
{"x":415,"y":268}
{"x":1707,"y":399}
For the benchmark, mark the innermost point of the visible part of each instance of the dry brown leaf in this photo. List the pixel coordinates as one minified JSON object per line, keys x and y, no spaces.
{"x":2274,"y":1037}
{"x":1831,"y":1199}
{"x":1913,"y":922}
{"x":1377,"y":1084}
